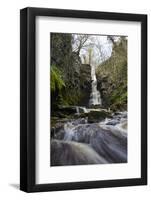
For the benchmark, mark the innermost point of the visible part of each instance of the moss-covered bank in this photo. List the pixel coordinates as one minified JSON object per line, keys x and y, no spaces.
{"x":112,"y":77}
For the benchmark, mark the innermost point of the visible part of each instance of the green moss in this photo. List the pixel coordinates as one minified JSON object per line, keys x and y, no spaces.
{"x":96,"y":116}
{"x":118,"y":98}
{"x":112,"y":75}
{"x":71,"y":97}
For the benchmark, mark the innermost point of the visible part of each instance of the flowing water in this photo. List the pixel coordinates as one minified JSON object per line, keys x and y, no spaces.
{"x":77,"y":142}
{"x":81,"y":109}
{"x":91,"y":143}
{"x":95,"y":97}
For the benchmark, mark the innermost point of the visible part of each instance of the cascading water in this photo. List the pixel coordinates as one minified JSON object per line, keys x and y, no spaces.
{"x":91,"y":143}
{"x":80,"y":109}
{"x":95,"y":97}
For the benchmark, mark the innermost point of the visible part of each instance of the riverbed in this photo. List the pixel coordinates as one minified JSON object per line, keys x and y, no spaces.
{"x":78,"y":141}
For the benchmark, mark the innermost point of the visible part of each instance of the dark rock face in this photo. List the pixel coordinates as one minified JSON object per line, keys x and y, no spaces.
{"x":85,"y":84}
{"x":85,"y":71}
{"x":105,"y":87}
{"x":77,"y":77}
{"x":67,"y":110}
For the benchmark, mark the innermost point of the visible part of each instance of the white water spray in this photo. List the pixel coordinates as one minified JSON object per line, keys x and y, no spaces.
{"x":80,"y":109}
{"x":95,"y":97}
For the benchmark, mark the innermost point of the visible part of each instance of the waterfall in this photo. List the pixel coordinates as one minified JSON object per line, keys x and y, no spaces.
{"x":80,"y":109}
{"x":95,"y":97}
{"x":69,"y":131}
{"x":77,"y":110}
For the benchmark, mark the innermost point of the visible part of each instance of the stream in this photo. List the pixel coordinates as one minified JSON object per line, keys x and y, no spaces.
{"x":78,"y":142}
{"x":89,"y":138}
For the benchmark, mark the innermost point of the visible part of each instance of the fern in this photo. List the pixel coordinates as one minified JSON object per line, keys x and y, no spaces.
{"x":56,"y":83}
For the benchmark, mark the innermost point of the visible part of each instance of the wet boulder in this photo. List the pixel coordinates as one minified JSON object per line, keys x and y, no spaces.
{"x":96,"y":116}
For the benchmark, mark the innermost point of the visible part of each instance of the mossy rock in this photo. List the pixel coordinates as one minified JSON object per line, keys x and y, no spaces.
{"x":96,"y":116}
{"x":95,"y":106}
{"x":66,"y":110}
{"x":119,"y":106}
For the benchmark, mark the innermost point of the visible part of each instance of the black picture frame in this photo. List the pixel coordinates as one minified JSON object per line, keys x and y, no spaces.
{"x":28,"y":98}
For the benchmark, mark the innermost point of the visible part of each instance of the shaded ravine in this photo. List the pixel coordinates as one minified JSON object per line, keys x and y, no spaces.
{"x":86,"y":143}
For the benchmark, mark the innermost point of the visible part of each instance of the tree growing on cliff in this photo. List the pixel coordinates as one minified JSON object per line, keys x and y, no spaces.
{"x":112,"y":75}
{"x":79,"y":42}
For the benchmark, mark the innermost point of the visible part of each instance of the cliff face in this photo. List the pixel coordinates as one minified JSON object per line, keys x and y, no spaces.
{"x":75,"y":75}
{"x":112,"y":77}
{"x":85,"y":84}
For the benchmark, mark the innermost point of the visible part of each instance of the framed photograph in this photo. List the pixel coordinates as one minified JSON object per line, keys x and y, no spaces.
{"x":83,"y":99}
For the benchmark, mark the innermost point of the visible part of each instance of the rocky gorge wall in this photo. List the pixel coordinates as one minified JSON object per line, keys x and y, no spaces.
{"x":75,"y":75}
{"x":112,"y":77}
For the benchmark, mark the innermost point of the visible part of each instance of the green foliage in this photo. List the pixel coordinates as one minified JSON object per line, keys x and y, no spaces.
{"x":71,"y":81}
{"x":116,"y":66}
{"x":96,"y":116}
{"x":65,"y":77}
{"x":71,"y":97}
{"x":113,"y":76}
{"x":61,"y":94}
{"x":118,"y":98}
{"x":61,"y":50}
{"x":57,"y":83}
